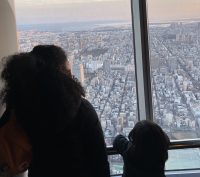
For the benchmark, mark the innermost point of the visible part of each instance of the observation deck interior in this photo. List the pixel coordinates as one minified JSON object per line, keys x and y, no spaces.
{"x":159,"y":74}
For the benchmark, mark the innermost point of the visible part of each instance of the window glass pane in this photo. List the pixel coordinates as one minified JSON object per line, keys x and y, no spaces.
{"x":116,"y":164}
{"x":174,"y":28}
{"x":183,"y":159}
{"x":174,"y":57}
{"x":97,"y":36}
{"x":180,"y":160}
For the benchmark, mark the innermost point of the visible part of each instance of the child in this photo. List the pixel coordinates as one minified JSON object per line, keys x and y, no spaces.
{"x":146,"y":151}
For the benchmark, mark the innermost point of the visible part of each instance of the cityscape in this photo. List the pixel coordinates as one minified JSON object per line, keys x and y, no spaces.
{"x":102,"y":58}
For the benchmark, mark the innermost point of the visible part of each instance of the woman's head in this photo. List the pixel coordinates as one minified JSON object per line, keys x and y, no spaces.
{"x":51,"y":57}
{"x":41,"y":90}
{"x":150,"y":144}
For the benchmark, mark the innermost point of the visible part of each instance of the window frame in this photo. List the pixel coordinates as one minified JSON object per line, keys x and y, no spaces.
{"x":142,"y":62}
{"x":143,"y":74}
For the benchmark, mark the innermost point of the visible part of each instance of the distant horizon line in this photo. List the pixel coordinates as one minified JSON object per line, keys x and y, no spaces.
{"x":75,"y":22}
{"x":111,"y":21}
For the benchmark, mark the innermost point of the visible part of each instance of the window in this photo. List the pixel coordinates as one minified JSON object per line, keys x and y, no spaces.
{"x":183,"y":159}
{"x":98,"y":42}
{"x":99,"y":45}
{"x":116,"y":164}
{"x":174,"y":61}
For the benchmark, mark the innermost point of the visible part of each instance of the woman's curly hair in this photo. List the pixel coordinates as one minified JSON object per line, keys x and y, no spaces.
{"x":41,"y":91}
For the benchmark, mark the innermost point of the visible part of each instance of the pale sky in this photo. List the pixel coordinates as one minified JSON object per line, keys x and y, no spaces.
{"x":51,"y":11}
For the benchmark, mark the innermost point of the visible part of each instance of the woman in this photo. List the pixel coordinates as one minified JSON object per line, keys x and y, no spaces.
{"x":63,"y":127}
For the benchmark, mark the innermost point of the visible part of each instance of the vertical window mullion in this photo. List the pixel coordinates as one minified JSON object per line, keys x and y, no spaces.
{"x":142,"y":63}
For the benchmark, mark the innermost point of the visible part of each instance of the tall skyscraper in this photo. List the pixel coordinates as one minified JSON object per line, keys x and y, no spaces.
{"x":78,"y":72}
{"x":106,"y":66}
{"x":82,"y":76}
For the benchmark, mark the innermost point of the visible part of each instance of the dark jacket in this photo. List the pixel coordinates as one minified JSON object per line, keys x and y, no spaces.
{"x":133,"y":167}
{"x":79,"y":151}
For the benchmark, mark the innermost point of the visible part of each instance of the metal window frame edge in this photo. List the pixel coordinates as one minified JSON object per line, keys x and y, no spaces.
{"x":143,"y":80}
{"x":174,"y":145}
{"x":142,"y":62}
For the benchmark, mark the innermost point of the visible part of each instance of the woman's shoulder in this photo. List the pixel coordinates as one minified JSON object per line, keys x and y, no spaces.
{"x":86,"y":105}
{"x":87,"y":110}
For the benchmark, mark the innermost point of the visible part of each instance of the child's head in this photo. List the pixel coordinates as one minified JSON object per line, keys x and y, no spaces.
{"x":150,"y":144}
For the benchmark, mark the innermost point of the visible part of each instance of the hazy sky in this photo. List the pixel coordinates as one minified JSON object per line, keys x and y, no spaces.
{"x":51,"y":11}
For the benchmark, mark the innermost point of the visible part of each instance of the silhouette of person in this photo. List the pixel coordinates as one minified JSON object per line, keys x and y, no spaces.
{"x":146,"y":151}
{"x":63,"y":127}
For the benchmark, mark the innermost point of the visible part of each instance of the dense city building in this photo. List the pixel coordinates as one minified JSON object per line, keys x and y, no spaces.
{"x":103,"y":61}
